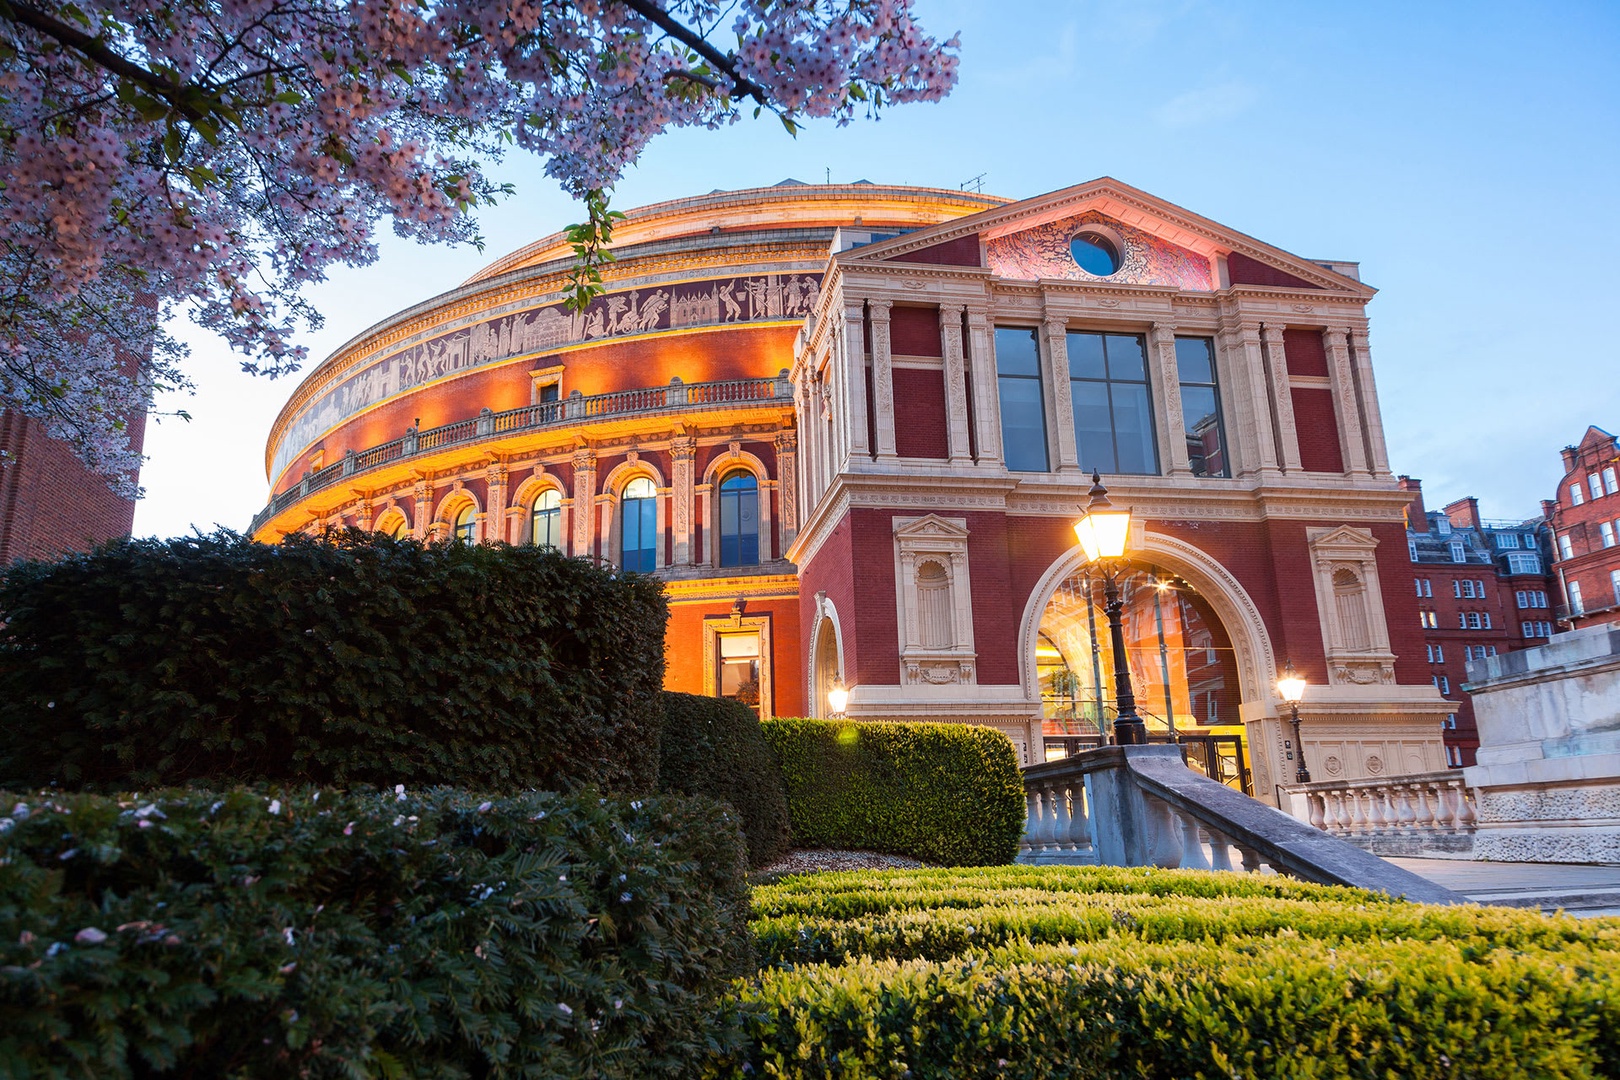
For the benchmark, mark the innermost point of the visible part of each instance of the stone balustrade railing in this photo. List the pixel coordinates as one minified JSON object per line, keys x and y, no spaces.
{"x":1418,"y":814}
{"x":1142,"y":806}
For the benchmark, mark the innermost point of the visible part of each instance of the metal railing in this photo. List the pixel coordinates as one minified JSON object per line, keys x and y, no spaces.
{"x":1141,"y":806}
{"x":676,"y":395}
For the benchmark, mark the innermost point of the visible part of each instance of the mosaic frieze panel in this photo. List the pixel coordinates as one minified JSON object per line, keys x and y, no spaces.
{"x":1043,"y":252}
{"x":618,"y":315}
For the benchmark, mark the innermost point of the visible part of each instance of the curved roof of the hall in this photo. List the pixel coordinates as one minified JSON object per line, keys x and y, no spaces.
{"x":787,"y":204}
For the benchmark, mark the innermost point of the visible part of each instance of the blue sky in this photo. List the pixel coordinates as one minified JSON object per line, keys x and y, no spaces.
{"x":1466,"y":154}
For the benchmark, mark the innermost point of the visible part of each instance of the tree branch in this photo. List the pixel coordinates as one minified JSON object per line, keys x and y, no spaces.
{"x":95,"y":49}
{"x":649,"y":10}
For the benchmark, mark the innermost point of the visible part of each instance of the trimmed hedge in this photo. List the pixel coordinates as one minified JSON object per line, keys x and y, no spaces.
{"x":321,"y":935}
{"x":356,"y":659}
{"x":1036,"y":973}
{"x":943,"y":793}
{"x":714,"y":747}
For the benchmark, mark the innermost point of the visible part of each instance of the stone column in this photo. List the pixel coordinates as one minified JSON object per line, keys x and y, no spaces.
{"x":1335,"y":340}
{"x":1253,"y":398}
{"x":1060,"y":412}
{"x":849,"y":353}
{"x":584,"y":502}
{"x":956,"y":411}
{"x":424,"y":508}
{"x":495,"y":508}
{"x":986,"y":403}
{"x":882,"y":379}
{"x":1166,"y":384}
{"x":1367,"y":395}
{"x":682,"y":452}
{"x":787,"y":483}
{"x":1282,"y":397}
{"x":366,"y":516}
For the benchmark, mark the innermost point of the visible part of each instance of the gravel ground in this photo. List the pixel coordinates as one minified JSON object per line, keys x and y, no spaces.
{"x":818,"y":860}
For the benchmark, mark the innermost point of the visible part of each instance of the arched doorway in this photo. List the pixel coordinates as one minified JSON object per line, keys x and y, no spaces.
{"x":826,"y":663}
{"x":1194,"y":644}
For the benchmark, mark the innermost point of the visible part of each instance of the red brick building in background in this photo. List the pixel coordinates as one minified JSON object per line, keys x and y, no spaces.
{"x":1585,"y":520}
{"x":50,"y":504}
{"x":1482,"y":588}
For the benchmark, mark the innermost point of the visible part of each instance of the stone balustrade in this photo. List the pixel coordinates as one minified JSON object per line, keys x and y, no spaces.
{"x":1419,"y":814}
{"x":1142,"y":806}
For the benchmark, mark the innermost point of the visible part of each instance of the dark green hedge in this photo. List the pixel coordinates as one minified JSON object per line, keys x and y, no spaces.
{"x":351,"y":660}
{"x":944,"y":793}
{"x":714,"y":747}
{"x":275,"y":934}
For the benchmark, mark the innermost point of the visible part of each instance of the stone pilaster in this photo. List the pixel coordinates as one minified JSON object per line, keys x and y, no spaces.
{"x":1055,"y":332}
{"x":423,"y":493}
{"x":986,"y":403}
{"x":882,"y":378}
{"x":1346,"y":402}
{"x":495,"y":508}
{"x":849,"y":353}
{"x":1166,"y":386}
{"x":787,"y":483}
{"x":584,"y":502}
{"x":1253,"y":401}
{"x":956,"y":393}
{"x":682,"y":452}
{"x":1367,"y":395}
{"x":1282,"y":397}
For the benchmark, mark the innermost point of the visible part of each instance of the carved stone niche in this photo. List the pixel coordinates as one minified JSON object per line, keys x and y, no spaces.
{"x":1350,"y":606}
{"x":933,"y":597}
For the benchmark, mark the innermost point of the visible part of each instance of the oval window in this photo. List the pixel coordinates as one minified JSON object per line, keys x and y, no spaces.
{"x":1094,"y":254}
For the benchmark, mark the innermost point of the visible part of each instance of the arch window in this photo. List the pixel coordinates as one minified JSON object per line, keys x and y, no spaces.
{"x":739,"y":520}
{"x":466,"y":524}
{"x":639,"y":533}
{"x":547,"y":523}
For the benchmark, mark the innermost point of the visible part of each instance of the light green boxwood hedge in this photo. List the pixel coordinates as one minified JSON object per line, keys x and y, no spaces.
{"x":317,"y":934}
{"x":945,"y":793}
{"x":1041,"y":973}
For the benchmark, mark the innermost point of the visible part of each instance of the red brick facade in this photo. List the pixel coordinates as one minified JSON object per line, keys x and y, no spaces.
{"x":49,"y":503}
{"x":1585,"y":519}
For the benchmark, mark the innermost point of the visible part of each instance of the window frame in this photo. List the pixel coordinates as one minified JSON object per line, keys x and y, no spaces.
{"x":555,"y":513}
{"x":642,"y":526}
{"x":742,"y":536}
{"x":1151,"y":441}
{"x":998,"y":334}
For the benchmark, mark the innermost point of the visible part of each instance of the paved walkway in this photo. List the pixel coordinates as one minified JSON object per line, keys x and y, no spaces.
{"x":1577,"y":888}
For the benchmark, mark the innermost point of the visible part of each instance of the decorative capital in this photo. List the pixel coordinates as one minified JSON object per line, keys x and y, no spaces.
{"x":1164,"y":333}
{"x":787,"y":441}
{"x":880,"y":309}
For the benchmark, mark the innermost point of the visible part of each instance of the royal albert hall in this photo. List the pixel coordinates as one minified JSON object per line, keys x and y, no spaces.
{"x":851,"y":428}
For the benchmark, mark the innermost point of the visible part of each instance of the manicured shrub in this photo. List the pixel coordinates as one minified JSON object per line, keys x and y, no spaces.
{"x":352,"y":660}
{"x":1050,"y":972}
{"x":943,"y":793}
{"x":321,"y":934}
{"x":714,"y":747}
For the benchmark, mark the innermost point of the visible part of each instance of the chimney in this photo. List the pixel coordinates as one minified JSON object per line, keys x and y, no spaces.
{"x":1464,"y":513}
{"x":1416,"y":517}
{"x":1569,"y":453}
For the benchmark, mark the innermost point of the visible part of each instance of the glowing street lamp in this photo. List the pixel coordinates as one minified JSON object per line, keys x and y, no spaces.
{"x":1292,"y":688}
{"x":1102,"y":531}
{"x":838,"y":698}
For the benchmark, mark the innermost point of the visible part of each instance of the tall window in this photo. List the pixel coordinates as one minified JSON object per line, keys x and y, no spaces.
{"x":1575,"y":605}
{"x":1113,"y":416}
{"x":547,"y":531}
{"x":1565,"y":548}
{"x":1576,"y":495}
{"x":1023,"y":413}
{"x":738,"y":677}
{"x":739,"y":520}
{"x":639,"y":532}
{"x":1610,"y":485}
{"x":1201,"y":407}
{"x":466,"y":524}
{"x":1606,"y":531}
{"x":1614,"y":582}
{"x":1596,"y":486}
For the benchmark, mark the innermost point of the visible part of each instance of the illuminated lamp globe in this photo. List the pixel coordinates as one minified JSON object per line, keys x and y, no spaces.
{"x":1291,"y":686}
{"x":838,"y":697}
{"x":1103,"y":529}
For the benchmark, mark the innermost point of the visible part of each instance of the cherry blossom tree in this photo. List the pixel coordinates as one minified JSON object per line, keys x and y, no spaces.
{"x":215,"y":157}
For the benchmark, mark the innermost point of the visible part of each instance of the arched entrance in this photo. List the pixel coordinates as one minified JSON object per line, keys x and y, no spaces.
{"x":826,"y":657}
{"x":1194,"y":643}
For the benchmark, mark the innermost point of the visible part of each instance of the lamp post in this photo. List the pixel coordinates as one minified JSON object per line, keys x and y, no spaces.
{"x":1292,"y":687}
{"x":838,"y":698}
{"x":1102,"y":531}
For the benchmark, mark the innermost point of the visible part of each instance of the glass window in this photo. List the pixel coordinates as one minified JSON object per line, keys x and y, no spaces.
{"x":738,"y":677}
{"x":739,"y":520}
{"x":1442,"y":525}
{"x":1507,"y":540}
{"x":1565,"y":548}
{"x":1524,"y":563}
{"x":1596,"y":486}
{"x":466,"y":524}
{"x":1457,"y":551}
{"x":1576,"y":495}
{"x":1201,"y":407}
{"x":547,"y":531}
{"x":1113,"y":416}
{"x":1610,"y":485}
{"x":1094,"y":254}
{"x":639,"y":532}
{"x":1575,"y":605}
{"x":1614,"y":581}
{"x":1023,"y":412}
{"x":1606,"y":531}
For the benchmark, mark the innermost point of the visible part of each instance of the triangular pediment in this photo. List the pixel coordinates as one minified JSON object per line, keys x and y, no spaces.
{"x":933,"y":526}
{"x":1162,"y":244}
